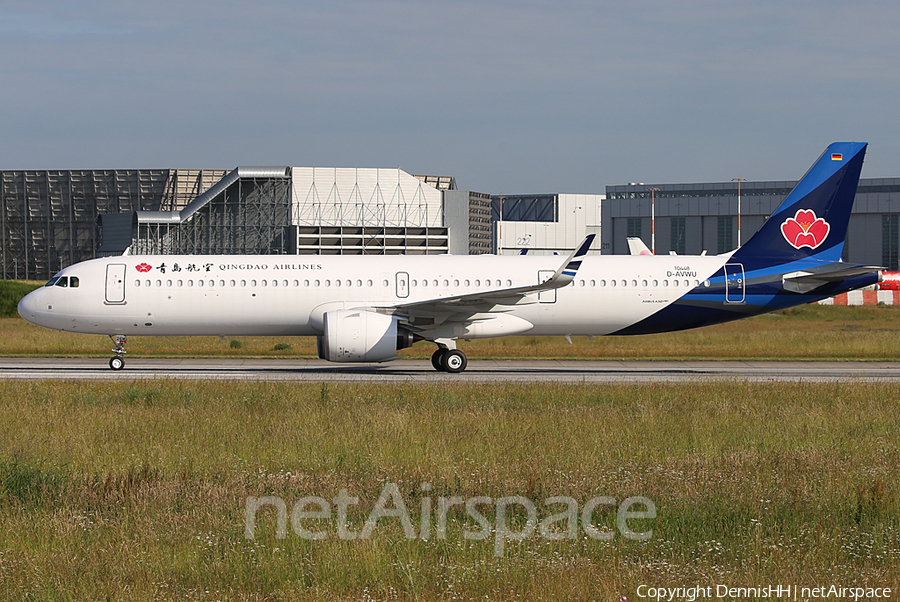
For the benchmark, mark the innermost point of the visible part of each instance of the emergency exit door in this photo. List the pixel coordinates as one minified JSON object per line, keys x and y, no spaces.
{"x":115,"y":283}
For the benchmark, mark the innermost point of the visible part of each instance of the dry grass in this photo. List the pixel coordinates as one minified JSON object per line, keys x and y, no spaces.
{"x":137,"y":491}
{"x":810,"y":332}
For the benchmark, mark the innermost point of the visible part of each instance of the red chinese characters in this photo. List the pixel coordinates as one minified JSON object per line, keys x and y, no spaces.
{"x":805,"y":229}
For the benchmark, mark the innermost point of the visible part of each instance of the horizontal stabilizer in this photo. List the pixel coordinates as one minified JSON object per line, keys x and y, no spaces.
{"x":809,"y":280}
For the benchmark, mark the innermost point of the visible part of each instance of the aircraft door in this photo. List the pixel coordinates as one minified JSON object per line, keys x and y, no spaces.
{"x":115,"y":283}
{"x":734,"y":283}
{"x":546,"y":296}
{"x":402,"y":285}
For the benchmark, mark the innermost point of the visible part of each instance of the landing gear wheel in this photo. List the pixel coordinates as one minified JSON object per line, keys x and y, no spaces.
{"x":118,"y":362}
{"x":454,"y":361}
{"x":437,"y":358}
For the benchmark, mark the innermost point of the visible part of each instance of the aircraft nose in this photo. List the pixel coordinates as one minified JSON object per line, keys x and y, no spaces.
{"x":28,"y":307}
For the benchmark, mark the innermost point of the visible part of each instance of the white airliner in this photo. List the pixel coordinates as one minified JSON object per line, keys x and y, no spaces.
{"x":365,"y":308}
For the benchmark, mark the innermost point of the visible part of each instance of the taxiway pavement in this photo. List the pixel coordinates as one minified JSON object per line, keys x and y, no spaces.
{"x":420,"y":371}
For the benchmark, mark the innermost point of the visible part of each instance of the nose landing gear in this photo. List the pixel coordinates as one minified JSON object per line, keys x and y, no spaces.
{"x":118,"y":362}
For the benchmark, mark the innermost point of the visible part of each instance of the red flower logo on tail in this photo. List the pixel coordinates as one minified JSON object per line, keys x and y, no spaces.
{"x":805,"y":229}
{"x":143,"y":267}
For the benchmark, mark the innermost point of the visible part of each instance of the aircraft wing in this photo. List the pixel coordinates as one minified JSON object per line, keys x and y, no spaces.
{"x":808,"y":280}
{"x":463,"y":307}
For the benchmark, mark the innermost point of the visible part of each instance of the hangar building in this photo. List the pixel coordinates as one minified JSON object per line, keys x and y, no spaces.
{"x":51,"y":219}
{"x":545,"y":223}
{"x":48,"y":218}
{"x":693,"y":218}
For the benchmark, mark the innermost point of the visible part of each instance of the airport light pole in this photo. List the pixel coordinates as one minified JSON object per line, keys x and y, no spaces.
{"x":500,"y":229}
{"x":739,"y":180}
{"x":653,"y":219}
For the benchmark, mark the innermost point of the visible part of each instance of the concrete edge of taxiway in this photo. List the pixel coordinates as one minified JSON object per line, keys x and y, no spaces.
{"x":561,"y":371}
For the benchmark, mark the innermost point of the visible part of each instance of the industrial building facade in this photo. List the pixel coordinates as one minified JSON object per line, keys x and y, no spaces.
{"x":48,"y":218}
{"x":544,"y":224}
{"x":51,"y":219}
{"x":694,"y":218}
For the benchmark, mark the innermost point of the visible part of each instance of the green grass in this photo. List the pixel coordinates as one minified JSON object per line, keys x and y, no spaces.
{"x":11,"y":292}
{"x":137,"y":490}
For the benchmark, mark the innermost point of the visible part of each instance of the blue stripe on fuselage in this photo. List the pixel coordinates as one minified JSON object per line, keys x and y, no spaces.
{"x":704,"y":306}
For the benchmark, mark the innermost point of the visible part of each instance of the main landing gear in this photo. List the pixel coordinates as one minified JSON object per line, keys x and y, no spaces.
{"x":449,"y":360}
{"x":118,"y":362}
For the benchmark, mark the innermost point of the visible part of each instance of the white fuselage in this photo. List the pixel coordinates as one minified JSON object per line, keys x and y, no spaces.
{"x":288,"y":295}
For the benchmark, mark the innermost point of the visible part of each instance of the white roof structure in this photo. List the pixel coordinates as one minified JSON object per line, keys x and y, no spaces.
{"x":348,"y":196}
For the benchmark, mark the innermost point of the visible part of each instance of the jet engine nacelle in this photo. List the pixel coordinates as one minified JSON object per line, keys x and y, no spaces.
{"x":358,"y":335}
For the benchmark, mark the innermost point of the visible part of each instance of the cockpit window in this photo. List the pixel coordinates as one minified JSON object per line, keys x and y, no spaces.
{"x":52,"y":281}
{"x":73,"y":281}
{"x":63,"y":281}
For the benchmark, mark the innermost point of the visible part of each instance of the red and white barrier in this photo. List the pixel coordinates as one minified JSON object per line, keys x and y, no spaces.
{"x":864,"y":298}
